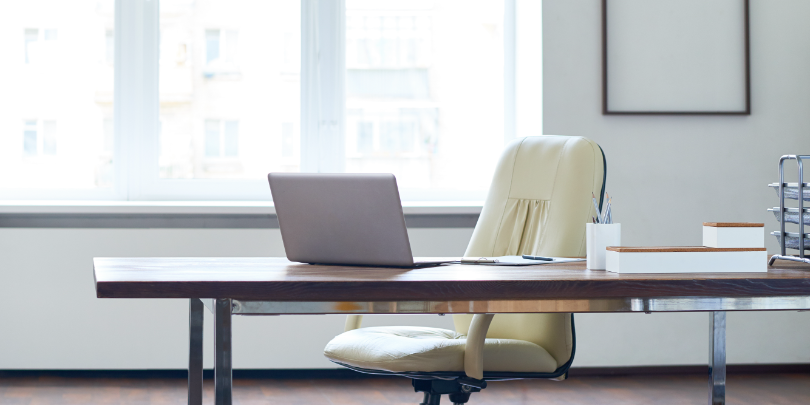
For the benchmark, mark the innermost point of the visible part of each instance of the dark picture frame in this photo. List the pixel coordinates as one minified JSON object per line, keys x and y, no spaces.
{"x":606,"y":109}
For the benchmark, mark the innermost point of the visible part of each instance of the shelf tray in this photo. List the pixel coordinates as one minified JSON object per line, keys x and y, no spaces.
{"x":792,"y":190}
{"x":792,"y":240}
{"x":792,"y":215}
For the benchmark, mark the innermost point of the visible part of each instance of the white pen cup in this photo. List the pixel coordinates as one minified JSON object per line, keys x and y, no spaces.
{"x":597,"y":238}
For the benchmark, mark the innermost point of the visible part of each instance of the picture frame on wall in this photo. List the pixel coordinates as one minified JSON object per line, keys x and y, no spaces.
{"x":675,"y":57}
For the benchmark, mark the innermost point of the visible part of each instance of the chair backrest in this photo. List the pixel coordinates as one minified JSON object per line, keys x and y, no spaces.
{"x":538,"y":204}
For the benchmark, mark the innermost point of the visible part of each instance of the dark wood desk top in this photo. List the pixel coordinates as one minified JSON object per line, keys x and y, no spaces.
{"x":276,"y":279}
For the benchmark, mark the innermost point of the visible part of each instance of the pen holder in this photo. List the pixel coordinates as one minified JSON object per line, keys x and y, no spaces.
{"x":597,"y":238}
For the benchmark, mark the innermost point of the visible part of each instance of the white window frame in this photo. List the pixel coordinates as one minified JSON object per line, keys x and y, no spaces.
{"x":322,"y":126}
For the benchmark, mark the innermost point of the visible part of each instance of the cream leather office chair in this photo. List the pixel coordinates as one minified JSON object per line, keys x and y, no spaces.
{"x":538,"y":203}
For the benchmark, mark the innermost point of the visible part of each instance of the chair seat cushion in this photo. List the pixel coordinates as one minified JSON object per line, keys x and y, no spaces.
{"x":411,"y":348}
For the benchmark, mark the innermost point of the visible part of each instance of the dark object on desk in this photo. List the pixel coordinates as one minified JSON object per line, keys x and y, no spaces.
{"x":530,"y":257}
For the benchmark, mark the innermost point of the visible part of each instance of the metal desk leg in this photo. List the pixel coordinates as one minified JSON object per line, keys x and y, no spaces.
{"x":717,"y":358}
{"x":195,"y":351}
{"x":222,"y":352}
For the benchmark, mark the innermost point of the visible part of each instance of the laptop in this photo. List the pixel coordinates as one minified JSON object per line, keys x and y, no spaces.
{"x":349,"y":219}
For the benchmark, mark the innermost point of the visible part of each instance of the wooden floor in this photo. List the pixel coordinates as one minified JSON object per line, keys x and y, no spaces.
{"x":656,"y":389}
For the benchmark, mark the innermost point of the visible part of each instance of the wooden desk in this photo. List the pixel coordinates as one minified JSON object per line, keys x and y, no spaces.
{"x":275,"y":286}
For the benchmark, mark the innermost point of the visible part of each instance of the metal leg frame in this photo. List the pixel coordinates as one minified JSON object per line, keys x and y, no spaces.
{"x":222,"y":352}
{"x":195,"y":351}
{"x":223,"y":379}
{"x":717,"y":358}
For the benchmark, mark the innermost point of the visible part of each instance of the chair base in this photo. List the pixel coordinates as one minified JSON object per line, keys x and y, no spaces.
{"x":434,"y":389}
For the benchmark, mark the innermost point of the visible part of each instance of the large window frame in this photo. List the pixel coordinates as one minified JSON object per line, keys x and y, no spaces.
{"x":136,"y":108}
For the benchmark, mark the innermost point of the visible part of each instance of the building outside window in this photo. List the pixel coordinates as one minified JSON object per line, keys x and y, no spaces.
{"x":109,"y":47}
{"x":221,"y":50}
{"x":57,"y":91}
{"x":40,"y":45}
{"x":209,"y":69}
{"x":39,"y":138}
{"x":30,"y":143}
{"x":49,"y":137}
{"x":288,"y":140}
{"x":221,"y":138}
{"x":424,"y":91}
{"x":31,"y":37}
{"x":417,"y":90}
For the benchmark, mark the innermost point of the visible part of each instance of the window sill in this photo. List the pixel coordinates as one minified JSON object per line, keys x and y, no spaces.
{"x":200,"y":214}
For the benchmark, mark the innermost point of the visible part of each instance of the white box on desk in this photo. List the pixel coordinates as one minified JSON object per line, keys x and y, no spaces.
{"x":733,"y":234}
{"x":699,"y":259}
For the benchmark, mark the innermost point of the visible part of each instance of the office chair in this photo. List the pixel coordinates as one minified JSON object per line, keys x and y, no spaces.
{"x":538,"y":203}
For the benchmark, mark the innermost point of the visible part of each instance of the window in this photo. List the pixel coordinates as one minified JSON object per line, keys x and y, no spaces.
{"x":50,"y":35}
{"x":365,"y":136}
{"x":30,"y":144}
{"x":57,"y":92}
{"x":109,"y":47}
{"x":39,"y":141}
{"x":221,"y":48}
{"x":40,"y":45}
{"x":425,"y":92}
{"x":211,"y":46}
{"x":423,"y":89}
{"x":31,"y":37}
{"x":108,"y":131}
{"x":221,"y":138}
{"x":226,"y":99}
{"x":49,"y":137}
{"x":288,"y":140}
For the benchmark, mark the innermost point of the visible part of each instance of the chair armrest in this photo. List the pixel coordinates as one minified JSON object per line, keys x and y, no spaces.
{"x":353,"y":322}
{"x":474,"y":351}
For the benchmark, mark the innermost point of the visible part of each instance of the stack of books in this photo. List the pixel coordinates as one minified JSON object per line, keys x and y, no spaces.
{"x":728,"y":247}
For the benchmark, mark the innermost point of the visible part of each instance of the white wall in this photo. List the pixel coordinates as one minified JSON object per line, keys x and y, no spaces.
{"x":50,"y":318}
{"x":668,"y":174}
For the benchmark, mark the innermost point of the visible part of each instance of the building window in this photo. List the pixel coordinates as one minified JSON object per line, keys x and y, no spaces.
{"x":31,"y":36}
{"x":365,"y":136}
{"x":39,"y":44}
{"x":38,"y":140}
{"x":288,"y":140}
{"x":230,"y":138}
{"x":221,"y":138}
{"x":108,"y":133}
{"x":50,"y":35}
{"x":211,"y":45}
{"x":109,"y":47}
{"x":49,"y":137}
{"x":30,"y":138}
{"x":221,"y":46}
{"x":212,"y":138}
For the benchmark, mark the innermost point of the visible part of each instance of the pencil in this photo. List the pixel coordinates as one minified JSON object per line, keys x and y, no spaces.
{"x":596,"y":205}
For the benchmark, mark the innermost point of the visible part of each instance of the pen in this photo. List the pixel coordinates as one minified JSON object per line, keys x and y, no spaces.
{"x":595,"y":205}
{"x":605,"y":205}
{"x":477,"y":260}
{"x":530,"y":257}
